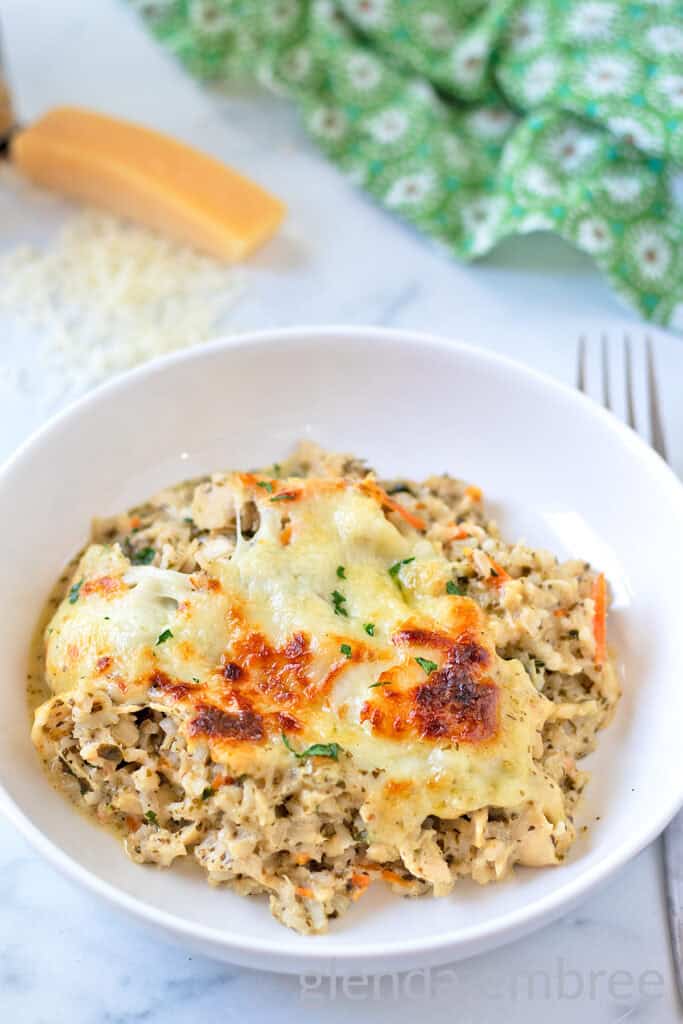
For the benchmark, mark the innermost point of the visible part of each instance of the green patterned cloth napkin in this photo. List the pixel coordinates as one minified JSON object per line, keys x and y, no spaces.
{"x":478,"y":119}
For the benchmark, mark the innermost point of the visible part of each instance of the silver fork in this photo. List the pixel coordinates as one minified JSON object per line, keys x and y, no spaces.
{"x":654,"y":434}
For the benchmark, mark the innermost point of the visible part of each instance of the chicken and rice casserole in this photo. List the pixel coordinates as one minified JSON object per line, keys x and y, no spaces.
{"x":309,"y":679}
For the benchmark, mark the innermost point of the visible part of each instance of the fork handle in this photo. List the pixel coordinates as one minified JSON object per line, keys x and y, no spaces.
{"x":673,"y":855}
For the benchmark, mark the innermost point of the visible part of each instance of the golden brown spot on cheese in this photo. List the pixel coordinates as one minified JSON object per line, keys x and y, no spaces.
{"x":186,"y":650}
{"x":372,"y":714}
{"x":281,"y":674}
{"x":214,"y":723}
{"x":416,"y":637}
{"x":456,"y":707}
{"x":288,"y":723}
{"x":160,"y":682}
{"x":455,"y":702}
{"x":104,"y":586}
{"x":398,"y":787}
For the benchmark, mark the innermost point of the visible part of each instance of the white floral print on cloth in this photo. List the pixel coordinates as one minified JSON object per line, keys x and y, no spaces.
{"x":478,"y":119}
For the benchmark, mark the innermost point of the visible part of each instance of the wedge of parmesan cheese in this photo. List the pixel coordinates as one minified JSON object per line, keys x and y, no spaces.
{"x":150,"y":178}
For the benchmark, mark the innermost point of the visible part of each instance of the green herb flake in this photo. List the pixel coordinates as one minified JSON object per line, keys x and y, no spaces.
{"x":316,"y":750}
{"x":395,"y":569}
{"x":189,"y":520}
{"x":276,"y":468}
{"x":380,"y":683}
{"x":427,"y":665}
{"x":163,"y":637}
{"x":75,"y":591}
{"x":338,"y":600}
{"x":266,"y":485}
{"x":207,"y":792}
{"x":341,"y":572}
{"x":369,"y":628}
{"x":151,"y":817}
{"x":284,"y":496}
{"x":455,"y":589}
{"x":346,"y":650}
{"x":143,"y":557}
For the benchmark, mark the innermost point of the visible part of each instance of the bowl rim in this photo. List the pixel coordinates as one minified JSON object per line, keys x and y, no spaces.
{"x":513,"y":922}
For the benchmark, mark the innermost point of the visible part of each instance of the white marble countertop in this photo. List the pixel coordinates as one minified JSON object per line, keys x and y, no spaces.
{"x":63,"y":954}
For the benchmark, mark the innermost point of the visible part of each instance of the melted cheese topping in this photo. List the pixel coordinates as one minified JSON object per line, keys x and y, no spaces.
{"x":327,"y":626}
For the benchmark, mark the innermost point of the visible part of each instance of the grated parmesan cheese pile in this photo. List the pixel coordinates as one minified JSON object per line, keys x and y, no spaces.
{"x":105,"y":295}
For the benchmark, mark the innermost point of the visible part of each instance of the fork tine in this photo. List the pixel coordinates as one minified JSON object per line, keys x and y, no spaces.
{"x":581,"y":365}
{"x":657,"y":430}
{"x":628,"y":380}
{"x":604,"y":366}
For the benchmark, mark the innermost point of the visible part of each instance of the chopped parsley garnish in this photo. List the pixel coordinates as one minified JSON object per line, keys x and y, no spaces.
{"x":427,"y":665}
{"x":346,"y":650}
{"x":75,"y":591}
{"x":284,"y":496}
{"x":455,"y":588}
{"x":395,"y":569}
{"x":276,"y":468}
{"x":316,"y":750}
{"x":189,"y":520}
{"x":369,"y":628}
{"x":341,"y":572}
{"x":338,"y":600}
{"x":207,"y":792}
{"x":143,"y":557}
{"x":163,"y":637}
{"x":266,"y":485}
{"x":379,"y":683}
{"x":151,"y":817}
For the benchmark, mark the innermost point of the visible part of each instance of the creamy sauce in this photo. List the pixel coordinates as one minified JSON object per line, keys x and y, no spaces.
{"x":37,"y":689}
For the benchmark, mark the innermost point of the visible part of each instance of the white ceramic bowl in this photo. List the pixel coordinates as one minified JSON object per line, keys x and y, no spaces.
{"x":557,"y":470}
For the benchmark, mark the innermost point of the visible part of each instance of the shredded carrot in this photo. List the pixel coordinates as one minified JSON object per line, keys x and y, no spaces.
{"x":500,"y":575}
{"x":135,"y":522}
{"x":474,"y":493}
{"x":391,"y":876}
{"x":304,"y":891}
{"x":417,"y":522}
{"x":599,"y":596}
{"x":386,"y":873}
{"x":559,"y":612}
{"x":460,"y":534}
{"x":360,"y":882}
{"x":222,"y":780}
{"x":286,"y":534}
{"x":372,"y":488}
{"x":302,"y":858}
